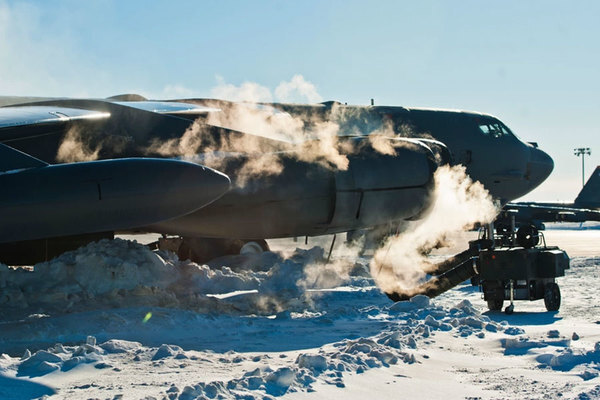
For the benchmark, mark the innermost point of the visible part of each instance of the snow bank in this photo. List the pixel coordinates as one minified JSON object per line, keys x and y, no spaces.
{"x":109,"y":274}
{"x":59,"y":358}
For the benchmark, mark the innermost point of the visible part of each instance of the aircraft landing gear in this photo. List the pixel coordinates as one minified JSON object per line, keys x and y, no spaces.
{"x":201,"y":250}
{"x":255,"y":247}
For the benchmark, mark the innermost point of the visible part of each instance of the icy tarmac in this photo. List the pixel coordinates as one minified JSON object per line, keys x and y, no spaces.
{"x":114,"y":320}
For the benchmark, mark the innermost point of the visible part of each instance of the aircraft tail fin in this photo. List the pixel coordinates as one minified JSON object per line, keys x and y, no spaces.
{"x":11,"y":160}
{"x":589,"y":197}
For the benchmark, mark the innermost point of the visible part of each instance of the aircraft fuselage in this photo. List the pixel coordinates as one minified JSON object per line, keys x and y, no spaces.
{"x":304,"y":198}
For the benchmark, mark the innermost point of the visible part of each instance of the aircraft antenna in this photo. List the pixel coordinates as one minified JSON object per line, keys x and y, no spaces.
{"x":582,"y":151}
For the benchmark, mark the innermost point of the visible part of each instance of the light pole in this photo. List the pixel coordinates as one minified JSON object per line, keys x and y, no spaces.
{"x":582,"y":151}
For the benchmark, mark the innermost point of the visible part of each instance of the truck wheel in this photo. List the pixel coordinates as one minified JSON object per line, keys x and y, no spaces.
{"x":528,"y":236}
{"x":552,"y":297}
{"x":495,"y":305}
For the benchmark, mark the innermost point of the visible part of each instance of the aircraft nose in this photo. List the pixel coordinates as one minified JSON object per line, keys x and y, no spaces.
{"x":539,"y":166}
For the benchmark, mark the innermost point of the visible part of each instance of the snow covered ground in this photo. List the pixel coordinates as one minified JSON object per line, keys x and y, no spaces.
{"x":114,"y":320}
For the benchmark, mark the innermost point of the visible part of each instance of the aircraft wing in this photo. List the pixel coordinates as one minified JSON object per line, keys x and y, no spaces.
{"x":15,"y":120}
{"x":36,"y":115}
{"x":532,"y":213}
{"x":171,"y":108}
{"x":118,"y":128}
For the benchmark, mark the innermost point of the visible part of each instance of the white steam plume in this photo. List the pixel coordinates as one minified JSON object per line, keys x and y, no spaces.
{"x":400,"y":265}
{"x":314,"y":133}
{"x":326,"y":275}
{"x":311,"y":136}
{"x":297,"y":90}
{"x":74,"y":148}
{"x":247,"y":91}
{"x":315,"y":139}
{"x":318,"y":143}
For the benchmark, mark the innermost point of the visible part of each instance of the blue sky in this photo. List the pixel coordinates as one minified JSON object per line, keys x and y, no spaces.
{"x":534,"y":64}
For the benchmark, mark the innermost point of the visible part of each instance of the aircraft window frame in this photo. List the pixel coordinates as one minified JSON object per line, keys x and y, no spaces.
{"x":494,"y":129}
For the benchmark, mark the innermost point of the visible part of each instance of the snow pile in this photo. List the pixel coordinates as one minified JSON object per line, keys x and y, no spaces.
{"x":61,"y":358}
{"x":564,"y":357}
{"x":108,"y":274}
{"x":568,"y":358}
{"x":327,"y":366}
{"x":64,"y":358}
{"x":463,"y":319}
{"x":522,"y":344}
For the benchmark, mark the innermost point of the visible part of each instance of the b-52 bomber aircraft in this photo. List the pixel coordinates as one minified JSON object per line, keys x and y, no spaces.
{"x":211,"y":172}
{"x":586,"y":207}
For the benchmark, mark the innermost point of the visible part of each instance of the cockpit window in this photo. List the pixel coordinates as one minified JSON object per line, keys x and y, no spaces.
{"x":494,"y":129}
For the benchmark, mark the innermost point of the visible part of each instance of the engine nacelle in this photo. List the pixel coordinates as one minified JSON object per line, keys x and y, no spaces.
{"x":310,"y":198}
{"x":377,"y":188}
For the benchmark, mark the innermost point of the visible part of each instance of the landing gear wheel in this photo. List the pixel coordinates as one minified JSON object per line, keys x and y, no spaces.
{"x":495,"y":305}
{"x":552,"y":296}
{"x":255,"y":247}
{"x":201,"y":250}
{"x":509,"y":309}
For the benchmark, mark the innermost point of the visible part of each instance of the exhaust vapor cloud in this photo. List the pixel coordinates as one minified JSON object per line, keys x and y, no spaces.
{"x":74,"y":148}
{"x":314,"y":135}
{"x":247,"y":91}
{"x":400,"y":264}
{"x":296,"y":90}
{"x":317,"y":139}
